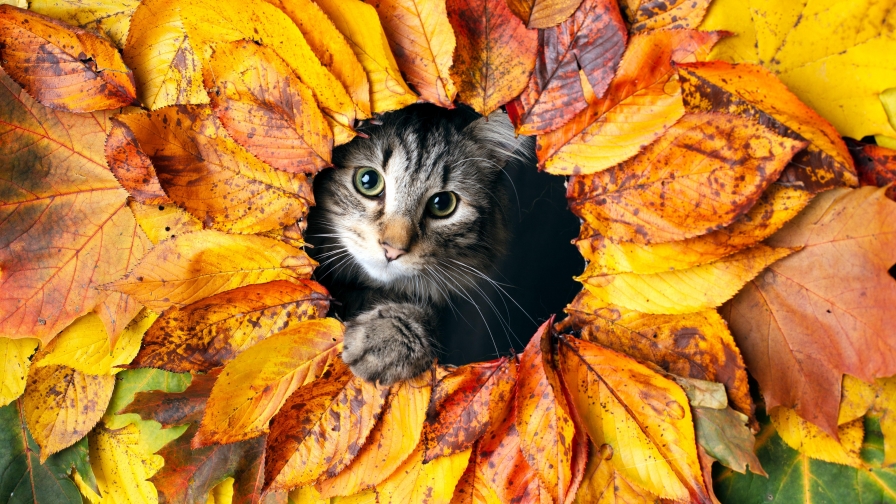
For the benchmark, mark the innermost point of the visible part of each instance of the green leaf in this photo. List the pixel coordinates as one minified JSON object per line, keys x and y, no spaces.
{"x":794,"y":477}
{"x":127,"y":384}
{"x":22,"y":477}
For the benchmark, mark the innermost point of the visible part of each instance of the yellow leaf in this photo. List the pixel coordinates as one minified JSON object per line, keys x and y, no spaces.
{"x":222,"y":493}
{"x":683,"y":291}
{"x":885,"y":406}
{"x":643,"y":417}
{"x":831,"y":53}
{"x":809,"y":439}
{"x":331,"y":48}
{"x":108,"y":18}
{"x":423,"y":41}
{"x":84,"y":345}
{"x":307,"y":495}
{"x":162,"y":56}
{"x":254,"y":385}
{"x":194,"y":266}
{"x":361,"y":26}
{"x":775,"y":207}
{"x":61,"y":405}
{"x":210,"y":22}
{"x":161,"y":222}
{"x":390,"y":442}
{"x":856,"y":398}
{"x":604,"y":484}
{"x":15,"y":354}
{"x":122,"y":464}
{"x":432,"y":482}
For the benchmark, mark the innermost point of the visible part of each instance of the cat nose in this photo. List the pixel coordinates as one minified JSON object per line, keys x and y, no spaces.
{"x":392,"y":253}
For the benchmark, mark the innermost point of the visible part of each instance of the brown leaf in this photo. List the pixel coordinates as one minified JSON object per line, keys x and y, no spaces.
{"x":827,"y":309}
{"x":592,"y":40}
{"x":60,"y":208}
{"x":61,"y":405}
{"x":876,"y":166}
{"x":727,"y":438}
{"x":175,"y":408}
{"x":197,"y":265}
{"x":754,"y":92}
{"x":777,"y":205}
{"x":266,"y":109}
{"x":696,"y":345}
{"x":321,"y":428}
{"x":132,"y":167}
{"x":640,"y":104}
{"x":204,"y":171}
{"x":705,"y":172}
{"x":543,"y":13}
{"x":423,"y":43}
{"x":495,"y":53}
{"x":61,"y":66}
{"x":211,"y":332}
{"x":465,"y":404}
{"x":498,"y":472}
{"x":545,"y":428}
{"x":645,"y":15}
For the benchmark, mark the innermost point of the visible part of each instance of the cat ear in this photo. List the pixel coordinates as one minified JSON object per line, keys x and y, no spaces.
{"x":497,"y":136}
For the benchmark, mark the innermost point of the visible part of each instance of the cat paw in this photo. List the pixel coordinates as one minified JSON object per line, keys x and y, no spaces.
{"x":388,"y":344}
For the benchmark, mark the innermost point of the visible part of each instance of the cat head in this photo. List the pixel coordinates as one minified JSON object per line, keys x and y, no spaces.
{"x":418,"y":202}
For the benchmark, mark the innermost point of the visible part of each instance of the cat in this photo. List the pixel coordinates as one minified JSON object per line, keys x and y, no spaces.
{"x":408,"y":216}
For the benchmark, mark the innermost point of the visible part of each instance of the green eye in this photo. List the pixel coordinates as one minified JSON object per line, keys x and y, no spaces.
{"x":442,"y":204}
{"x":369,"y":182}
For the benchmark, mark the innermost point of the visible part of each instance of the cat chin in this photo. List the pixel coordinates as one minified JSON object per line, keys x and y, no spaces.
{"x":382,"y":272}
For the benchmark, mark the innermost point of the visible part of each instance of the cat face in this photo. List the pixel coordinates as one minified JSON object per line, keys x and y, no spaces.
{"x":416,"y":202}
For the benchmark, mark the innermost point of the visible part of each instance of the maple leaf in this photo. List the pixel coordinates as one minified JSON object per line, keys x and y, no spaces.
{"x":804,"y":299}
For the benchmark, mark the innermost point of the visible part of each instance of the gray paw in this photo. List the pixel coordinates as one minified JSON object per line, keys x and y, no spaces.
{"x":389,"y":343}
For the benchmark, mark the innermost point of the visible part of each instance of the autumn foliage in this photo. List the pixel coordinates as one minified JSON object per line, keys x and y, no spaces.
{"x":163,"y":340}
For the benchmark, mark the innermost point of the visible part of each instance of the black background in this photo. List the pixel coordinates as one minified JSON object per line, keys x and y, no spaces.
{"x":538,"y":268}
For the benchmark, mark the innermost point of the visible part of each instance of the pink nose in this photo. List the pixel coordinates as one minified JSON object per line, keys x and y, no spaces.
{"x":393,"y":253}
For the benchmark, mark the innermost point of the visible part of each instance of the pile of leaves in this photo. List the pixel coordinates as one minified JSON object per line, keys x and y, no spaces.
{"x":162,"y":340}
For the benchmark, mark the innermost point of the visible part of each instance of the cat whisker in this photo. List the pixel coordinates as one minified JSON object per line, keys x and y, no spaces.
{"x":463,"y":292}
{"x":498,"y":285}
{"x":325,"y":254}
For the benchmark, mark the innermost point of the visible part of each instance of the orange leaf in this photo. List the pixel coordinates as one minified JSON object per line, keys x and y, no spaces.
{"x":212,"y":177}
{"x":391,"y":442}
{"x":696,"y":345}
{"x":876,"y":166}
{"x":322,"y":426}
{"x":777,"y":205}
{"x":645,"y":15}
{"x":754,"y":92}
{"x":640,"y":104}
{"x":360,"y":25}
{"x":266,"y":109}
{"x":61,"y":405}
{"x":423,"y":43}
{"x":593,"y":39}
{"x":211,"y":332}
{"x":498,"y":472}
{"x":132,"y":167}
{"x":543,"y":13}
{"x":331,"y":48}
{"x":253,"y":386}
{"x":465,"y":404}
{"x":61,"y":66}
{"x":825,"y":310}
{"x":495,"y":53}
{"x":705,"y":172}
{"x":542,"y":417}
{"x":197,"y":265}
{"x":210,"y":23}
{"x":60,"y":209}
{"x":643,"y":417}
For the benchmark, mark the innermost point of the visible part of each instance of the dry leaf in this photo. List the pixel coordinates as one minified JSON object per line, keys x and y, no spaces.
{"x":645,"y":15}
{"x":211,"y":332}
{"x":814,"y":442}
{"x":132,"y":167}
{"x":61,"y":66}
{"x":16,"y":357}
{"x":432,"y":482}
{"x":161,"y":222}
{"x":123,"y":464}
{"x":543,"y":13}
{"x":108,"y":19}
{"x":825,"y":310}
